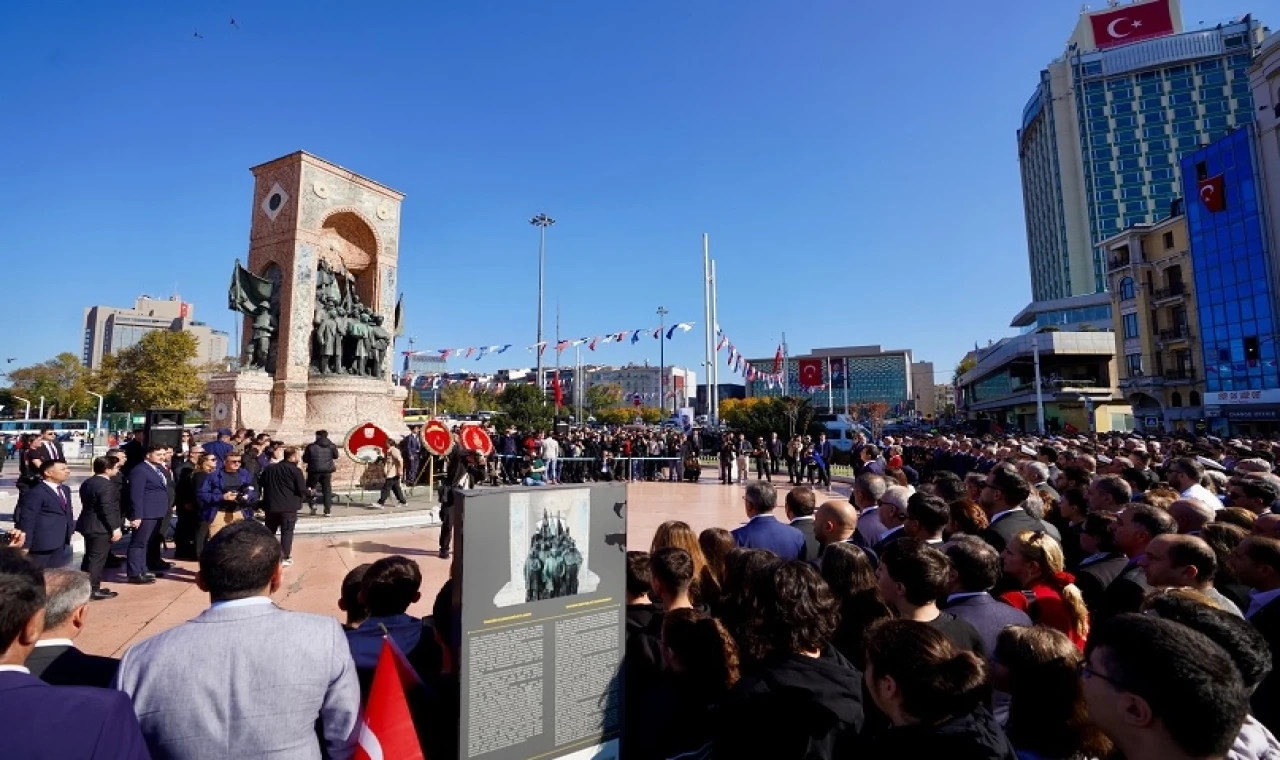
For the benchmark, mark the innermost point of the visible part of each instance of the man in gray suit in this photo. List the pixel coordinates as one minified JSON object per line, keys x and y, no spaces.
{"x":245,"y":678}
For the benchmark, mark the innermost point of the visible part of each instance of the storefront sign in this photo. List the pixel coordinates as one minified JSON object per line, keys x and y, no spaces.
{"x":1243,"y":397}
{"x":1269,"y":413}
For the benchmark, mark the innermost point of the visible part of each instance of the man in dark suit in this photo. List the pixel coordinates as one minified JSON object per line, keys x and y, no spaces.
{"x":975,"y":570}
{"x":100,"y":521}
{"x":893,"y":516}
{"x":150,"y":498}
{"x":68,"y":721}
{"x":1001,"y":497}
{"x":799,"y":506}
{"x":763,"y":531}
{"x":56,"y":660}
{"x":283,"y":489}
{"x":1103,"y":562}
{"x":1135,"y":527}
{"x":43,"y":513}
{"x":1256,"y":562}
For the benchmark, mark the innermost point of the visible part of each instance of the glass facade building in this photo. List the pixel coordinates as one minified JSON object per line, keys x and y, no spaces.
{"x":852,"y":379}
{"x":1236,"y":302}
{"x":1112,"y":160}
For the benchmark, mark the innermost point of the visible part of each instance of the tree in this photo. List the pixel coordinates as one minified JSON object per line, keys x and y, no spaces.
{"x":157,"y":373}
{"x":525,"y":406}
{"x":63,"y":382}
{"x":964,"y":365}
{"x":457,"y":399}
{"x":603,"y":396}
{"x":761,"y":415}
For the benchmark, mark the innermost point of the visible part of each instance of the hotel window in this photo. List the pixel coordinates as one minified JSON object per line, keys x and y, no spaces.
{"x":1168,"y":241}
{"x":1127,"y":290}
{"x":1130,"y":325}
{"x":1133,"y":365}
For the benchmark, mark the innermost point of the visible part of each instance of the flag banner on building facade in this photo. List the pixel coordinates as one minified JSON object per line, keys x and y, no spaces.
{"x":1131,"y":23}
{"x":810,"y":372}
{"x":1213,"y":193}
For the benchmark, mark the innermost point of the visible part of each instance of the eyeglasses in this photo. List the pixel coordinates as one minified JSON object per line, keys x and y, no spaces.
{"x":1085,"y":671}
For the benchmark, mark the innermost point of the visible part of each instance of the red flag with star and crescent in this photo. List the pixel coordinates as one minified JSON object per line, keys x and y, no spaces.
{"x":1131,"y":23}
{"x":386,"y":727}
{"x":810,"y":373}
{"x":777,"y":360}
{"x":1213,"y":193}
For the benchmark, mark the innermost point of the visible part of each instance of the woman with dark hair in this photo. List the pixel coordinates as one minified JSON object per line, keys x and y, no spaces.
{"x":798,"y":698}
{"x":933,"y":694}
{"x":967,"y":517}
{"x":739,"y":607}
{"x":1048,"y":718}
{"x":848,"y":573}
{"x":716,"y":544}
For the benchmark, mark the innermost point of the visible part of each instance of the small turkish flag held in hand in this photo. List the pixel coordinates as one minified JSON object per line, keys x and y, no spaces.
{"x":1131,"y":23}
{"x":810,"y":373}
{"x":386,"y":727}
{"x":1213,"y":193}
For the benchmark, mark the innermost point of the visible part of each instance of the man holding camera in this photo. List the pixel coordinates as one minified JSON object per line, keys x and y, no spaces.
{"x":226,"y":496}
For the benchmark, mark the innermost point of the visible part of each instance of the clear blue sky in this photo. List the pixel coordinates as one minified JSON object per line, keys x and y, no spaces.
{"x":854,"y":163}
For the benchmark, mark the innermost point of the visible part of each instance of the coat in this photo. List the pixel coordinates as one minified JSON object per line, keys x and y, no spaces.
{"x":988,"y":615}
{"x":149,"y":493}
{"x":219,"y":482}
{"x":765,"y":532}
{"x":320,"y":456}
{"x":67,"y":721}
{"x":45,"y":518}
{"x":975,"y":736}
{"x":63,"y":665}
{"x":99,"y":508}
{"x":283,"y":487}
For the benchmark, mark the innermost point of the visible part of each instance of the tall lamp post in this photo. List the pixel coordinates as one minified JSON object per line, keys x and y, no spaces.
{"x":97,"y":428}
{"x":542,"y":222}
{"x":662,"y":359}
{"x":27,"y":414}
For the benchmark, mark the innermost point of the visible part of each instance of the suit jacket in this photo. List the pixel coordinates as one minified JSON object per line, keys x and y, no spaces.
{"x":63,"y":665}
{"x":68,"y":721}
{"x":1093,"y":578}
{"x":1266,"y":699}
{"x":1002,"y":531}
{"x":46,"y":451}
{"x":1125,"y":593}
{"x":765,"y":532}
{"x":277,"y":673}
{"x":148,"y":493}
{"x":99,"y":507}
{"x":45,"y":518}
{"x":805,"y":526}
{"x":988,"y":615}
{"x":888,"y":537}
{"x":283,"y":487}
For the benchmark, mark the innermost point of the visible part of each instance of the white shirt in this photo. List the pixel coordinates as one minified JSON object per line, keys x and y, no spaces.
{"x":15,"y":669}
{"x":56,"y":489}
{"x":54,"y":643}
{"x":1261,"y":599}
{"x":1198,"y":491}
{"x":802,"y":517}
{"x":998,"y":515}
{"x":248,"y":601}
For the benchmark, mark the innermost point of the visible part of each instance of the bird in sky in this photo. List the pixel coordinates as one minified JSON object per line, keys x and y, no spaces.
{"x":233,"y":22}
{"x":11,"y":360}
{"x":198,"y":35}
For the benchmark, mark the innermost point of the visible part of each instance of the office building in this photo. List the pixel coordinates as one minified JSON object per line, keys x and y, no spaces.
{"x":838,"y":378}
{"x":646,"y":383}
{"x":1077,"y":384}
{"x":109,"y":329}
{"x":924,"y":403}
{"x":1235,"y":283}
{"x":1153,"y":295}
{"x":1102,"y":135}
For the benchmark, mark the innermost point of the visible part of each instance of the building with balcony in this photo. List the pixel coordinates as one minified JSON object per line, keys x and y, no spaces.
{"x":1101,"y":137}
{"x":849,"y":375}
{"x":1077,"y":383}
{"x":1235,"y":275}
{"x":1158,"y":335}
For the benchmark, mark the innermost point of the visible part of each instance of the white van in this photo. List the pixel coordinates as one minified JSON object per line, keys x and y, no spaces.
{"x":842,"y":430}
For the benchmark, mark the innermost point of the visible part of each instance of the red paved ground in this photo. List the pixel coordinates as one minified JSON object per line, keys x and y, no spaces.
{"x":319,"y":563}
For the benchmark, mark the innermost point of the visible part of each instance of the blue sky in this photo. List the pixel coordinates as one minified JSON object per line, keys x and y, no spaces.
{"x":854,"y":163}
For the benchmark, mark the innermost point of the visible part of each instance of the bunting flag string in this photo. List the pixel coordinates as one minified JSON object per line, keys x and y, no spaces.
{"x":591,"y":342}
{"x":738,"y":362}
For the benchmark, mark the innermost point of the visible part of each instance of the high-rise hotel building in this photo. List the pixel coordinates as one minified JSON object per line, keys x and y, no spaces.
{"x":1103,"y":135}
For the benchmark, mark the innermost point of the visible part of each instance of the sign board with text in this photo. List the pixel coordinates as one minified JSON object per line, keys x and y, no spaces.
{"x":542,"y":595}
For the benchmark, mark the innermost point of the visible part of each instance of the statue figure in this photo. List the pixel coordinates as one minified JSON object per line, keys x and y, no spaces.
{"x":264,"y":329}
{"x":381,"y":340}
{"x":328,"y":345}
{"x":358,"y":338}
{"x":253,"y":295}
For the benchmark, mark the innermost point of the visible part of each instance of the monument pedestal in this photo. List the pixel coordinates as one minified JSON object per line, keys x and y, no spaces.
{"x":241,"y":399}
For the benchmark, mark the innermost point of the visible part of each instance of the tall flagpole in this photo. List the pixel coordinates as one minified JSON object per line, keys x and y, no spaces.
{"x":831,"y":404}
{"x":715,"y":359}
{"x":708,"y":329}
{"x":786,"y":362}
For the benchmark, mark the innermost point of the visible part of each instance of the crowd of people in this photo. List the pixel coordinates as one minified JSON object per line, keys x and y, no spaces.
{"x":1038,"y":599}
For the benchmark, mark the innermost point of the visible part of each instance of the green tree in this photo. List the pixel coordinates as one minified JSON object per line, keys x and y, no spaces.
{"x":157,"y":373}
{"x":63,"y":382}
{"x":457,"y":399}
{"x":964,"y":365}
{"x":603,"y":396}
{"x":762,"y":415}
{"x":525,"y":407}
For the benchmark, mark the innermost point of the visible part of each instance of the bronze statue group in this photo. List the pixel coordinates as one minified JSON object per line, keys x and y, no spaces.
{"x":551,"y":569}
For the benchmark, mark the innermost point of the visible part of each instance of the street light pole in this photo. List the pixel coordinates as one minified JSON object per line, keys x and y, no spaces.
{"x":42,"y":407}
{"x":27,"y":414}
{"x":662,"y":359}
{"x":97,"y":428}
{"x":542,"y":222}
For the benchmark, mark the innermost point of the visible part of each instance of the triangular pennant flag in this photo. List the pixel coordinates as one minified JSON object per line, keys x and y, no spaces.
{"x":671,"y":331}
{"x":386,"y":727}
{"x":685,"y":326}
{"x":561,"y":346}
{"x":483,"y":350}
{"x":723,"y":340}
{"x":470,"y":350}
{"x":609,"y":338}
{"x":503,"y":350}
{"x":444,"y":353}
{"x":635,"y":337}
{"x":592,"y":345}
{"x":657,"y":332}
{"x":621,"y":337}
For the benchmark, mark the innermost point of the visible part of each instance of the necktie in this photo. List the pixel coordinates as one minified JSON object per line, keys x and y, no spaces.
{"x":63,"y":496}
{"x":53,"y":453}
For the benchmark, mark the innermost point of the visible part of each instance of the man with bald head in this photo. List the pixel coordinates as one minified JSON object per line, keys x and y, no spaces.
{"x":1177,"y":561}
{"x":833,"y":522}
{"x":1191,"y":515}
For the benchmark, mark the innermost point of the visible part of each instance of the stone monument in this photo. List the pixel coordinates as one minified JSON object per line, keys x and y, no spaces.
{"x":318,"y":295}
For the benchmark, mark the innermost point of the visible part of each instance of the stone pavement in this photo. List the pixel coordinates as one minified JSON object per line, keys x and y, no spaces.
{"x":320,"y":561}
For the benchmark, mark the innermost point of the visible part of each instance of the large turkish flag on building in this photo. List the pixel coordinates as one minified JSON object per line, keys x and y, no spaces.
{"x":1213,"y":193}
{"x":1131,"y":23}
{"x":810,"y":373}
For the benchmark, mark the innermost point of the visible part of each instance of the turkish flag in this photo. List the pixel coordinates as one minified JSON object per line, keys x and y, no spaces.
{"x":1131,"y":23}
{"x":810,"y":373}
{"x":555,"y":387}
{"x":777,"y":360}
{"x":386,"y":728}
{"x":1213,"y":193}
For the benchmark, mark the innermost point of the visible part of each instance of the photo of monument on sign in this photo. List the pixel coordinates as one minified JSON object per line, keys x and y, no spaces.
{"x":549,"y":547}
